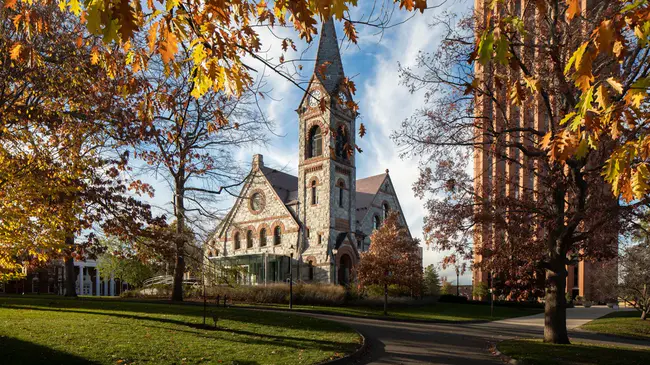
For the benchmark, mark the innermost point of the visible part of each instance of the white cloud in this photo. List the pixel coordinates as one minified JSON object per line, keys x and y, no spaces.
{"x":384,"y":104}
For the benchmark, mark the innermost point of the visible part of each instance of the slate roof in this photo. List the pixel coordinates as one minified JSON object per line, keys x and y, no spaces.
{"x":285,"y":185}
{"x":367,"y":188}
{"x":328,"y":51}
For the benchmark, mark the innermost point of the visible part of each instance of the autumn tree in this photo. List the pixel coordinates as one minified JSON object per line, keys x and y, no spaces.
{"x":63,"y":116}
{"x":393,"y":259}
{"x":191,"y":142}
{"x":499,"y":91}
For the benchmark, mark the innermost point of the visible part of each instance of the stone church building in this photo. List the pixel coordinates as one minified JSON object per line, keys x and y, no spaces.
{"x":322,"y":219}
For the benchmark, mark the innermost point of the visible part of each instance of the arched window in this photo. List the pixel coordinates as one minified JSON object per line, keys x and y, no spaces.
{"x":314,"y":193}
{"x":237,"y":241}
{"x":341,"y":188}
{"x":311,"y":270}
{"x":277,"y":235}
{"x":385,"y":210}
{"x":341,"y":143}
{"x":249,"y":239}
{"x":376,"y":222}
{"x":263,"y":237}
{"x":315,"y":147}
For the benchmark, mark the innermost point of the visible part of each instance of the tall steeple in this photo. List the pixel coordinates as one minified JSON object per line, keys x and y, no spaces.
{"x":328,"y":52}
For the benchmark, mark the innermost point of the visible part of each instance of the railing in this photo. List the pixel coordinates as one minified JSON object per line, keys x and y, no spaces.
{"x":168,"y":280}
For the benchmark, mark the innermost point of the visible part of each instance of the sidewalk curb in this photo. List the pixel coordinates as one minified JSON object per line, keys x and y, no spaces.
{"x":505,"y":358}
{"x":351,"y":357}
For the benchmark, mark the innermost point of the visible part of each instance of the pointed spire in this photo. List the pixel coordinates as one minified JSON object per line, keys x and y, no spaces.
{"x":328,"y":51}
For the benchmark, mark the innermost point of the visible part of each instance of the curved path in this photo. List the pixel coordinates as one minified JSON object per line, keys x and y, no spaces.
{"x":394,"y":342}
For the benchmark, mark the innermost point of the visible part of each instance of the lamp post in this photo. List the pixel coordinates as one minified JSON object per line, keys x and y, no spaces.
{"x":334,"y":251}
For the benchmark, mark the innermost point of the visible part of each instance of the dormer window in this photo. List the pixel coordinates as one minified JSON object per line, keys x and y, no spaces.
{"x":315,"y":147}
{"x":376,"y":222}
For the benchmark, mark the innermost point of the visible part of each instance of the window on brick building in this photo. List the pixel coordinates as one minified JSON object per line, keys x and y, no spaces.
{"x":263,"y":237}
{"x":314,"y":193}
{"x":376,"y":222}
{"x":277,"y":236}
{"x":385,"y":208}
{"x":237,"y":241}
{"x":341,"y":189}
{"x":315,"y":142}
{"x":249,"y":239}
{"x":342,"y":143}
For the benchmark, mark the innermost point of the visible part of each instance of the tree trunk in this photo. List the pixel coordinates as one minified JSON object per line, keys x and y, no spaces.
{"x":555,"y":308}
{"x":385,"y":299}
{"x":179,"y":270}
{"x":644,"y":315}
{"x":70,"y":277}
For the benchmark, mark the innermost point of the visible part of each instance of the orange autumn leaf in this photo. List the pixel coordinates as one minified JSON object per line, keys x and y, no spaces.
{"x":573,"y":9}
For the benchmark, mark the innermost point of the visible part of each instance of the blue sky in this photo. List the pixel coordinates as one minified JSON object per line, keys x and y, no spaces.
{"x":383,"y":105}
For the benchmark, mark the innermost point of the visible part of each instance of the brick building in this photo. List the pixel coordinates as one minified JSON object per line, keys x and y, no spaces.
{"x":496,"y":177}
{"x":321,"y":219}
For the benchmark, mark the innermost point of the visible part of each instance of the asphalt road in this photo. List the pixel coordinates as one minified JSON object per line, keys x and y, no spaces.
{"x":392,"y":342}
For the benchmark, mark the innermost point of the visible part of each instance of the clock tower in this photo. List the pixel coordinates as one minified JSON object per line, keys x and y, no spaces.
{"x":327,"y":172}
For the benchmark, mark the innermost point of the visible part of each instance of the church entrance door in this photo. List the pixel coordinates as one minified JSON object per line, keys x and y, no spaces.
{"x":344,"y":270}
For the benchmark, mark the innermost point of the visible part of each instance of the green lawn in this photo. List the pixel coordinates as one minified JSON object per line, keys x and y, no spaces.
{"x":627,"y":324}
{"x":435,"y":312}
{"x":535,"y":352}
{"x":55,"y":330}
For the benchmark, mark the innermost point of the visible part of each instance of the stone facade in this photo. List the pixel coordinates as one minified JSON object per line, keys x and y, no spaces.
{"x":325,"y":215}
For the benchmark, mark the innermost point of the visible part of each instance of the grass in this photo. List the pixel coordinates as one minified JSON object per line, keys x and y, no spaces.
{"x":625,"y":323}
{"x":536,"y":352}
{"x":55,"y":330}
{"x":434,"y":312}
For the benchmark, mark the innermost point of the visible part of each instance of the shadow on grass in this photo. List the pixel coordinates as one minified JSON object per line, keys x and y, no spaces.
{"x":17,"y":352}
{"x":231,"y":314}
{"x":257,"y":338}
{"x":535,"y":352}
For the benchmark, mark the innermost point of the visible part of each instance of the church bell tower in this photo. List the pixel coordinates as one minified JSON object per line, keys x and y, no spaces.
{"x":326,"y":171}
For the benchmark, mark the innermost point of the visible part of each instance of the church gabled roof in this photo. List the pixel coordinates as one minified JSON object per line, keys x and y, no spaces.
{"x":367,"y":188}
{"x":328,"y":51}
{"x":285,"y":185}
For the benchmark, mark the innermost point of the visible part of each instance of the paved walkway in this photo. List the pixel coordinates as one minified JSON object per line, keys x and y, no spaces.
{"x":392,"y":342}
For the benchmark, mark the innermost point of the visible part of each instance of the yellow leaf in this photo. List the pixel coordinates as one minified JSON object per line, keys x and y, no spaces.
{"x":75,"y":7}
{"x":94,"y":56}
{"x":532,"y":83}
{"x":15,"y":51}
{"x":615,"y":85}
{"x":639,"y":181}
{"x":602,"y":97}
{"x":170,"y":4}
{"x":546,"y":141}
{"x":198,"y":54}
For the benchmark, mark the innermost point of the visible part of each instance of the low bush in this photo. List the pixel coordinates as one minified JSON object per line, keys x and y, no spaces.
{"x":310,"y":294}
